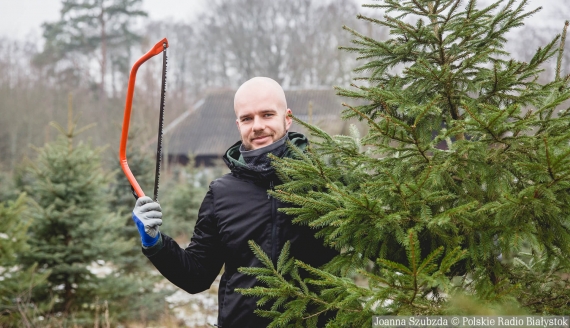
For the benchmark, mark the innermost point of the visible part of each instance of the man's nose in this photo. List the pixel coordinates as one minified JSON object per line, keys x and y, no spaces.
{"x":258,"y":124}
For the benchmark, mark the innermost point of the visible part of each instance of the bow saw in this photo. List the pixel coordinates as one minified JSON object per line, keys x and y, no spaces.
{"x":158,"y":48}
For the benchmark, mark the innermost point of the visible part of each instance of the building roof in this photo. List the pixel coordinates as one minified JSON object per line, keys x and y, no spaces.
{"x":209,"y":128}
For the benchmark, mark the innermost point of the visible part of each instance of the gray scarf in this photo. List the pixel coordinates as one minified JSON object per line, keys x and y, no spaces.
{"x":257,"y":159}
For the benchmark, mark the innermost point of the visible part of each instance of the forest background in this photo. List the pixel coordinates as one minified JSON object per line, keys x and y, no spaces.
{"x":75,"y":76}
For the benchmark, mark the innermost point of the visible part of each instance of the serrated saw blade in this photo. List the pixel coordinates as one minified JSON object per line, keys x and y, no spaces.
{"x":160,"y":124}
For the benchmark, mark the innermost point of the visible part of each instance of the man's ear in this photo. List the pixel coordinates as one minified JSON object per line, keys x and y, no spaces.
{"x":288,"y":119}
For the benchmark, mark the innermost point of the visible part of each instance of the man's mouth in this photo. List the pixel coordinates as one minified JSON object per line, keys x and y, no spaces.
{"x":259,"y":138}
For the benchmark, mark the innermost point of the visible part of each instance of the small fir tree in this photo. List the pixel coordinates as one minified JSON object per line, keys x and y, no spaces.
{"x":8,"y":190}
{"x":17,"y":284}
{"x":458,"y":193}
{"x":73,"y":233}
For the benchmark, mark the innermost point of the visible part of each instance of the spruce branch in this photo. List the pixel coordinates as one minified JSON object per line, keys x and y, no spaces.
{"x":292,"y":299}
{"x":485,"y":126}
{"x":419,"y":148}
{"x":421,"y":9}
{"x":561,"y":51}
{"x":313,"y":128}
{"x":548,"y":161}
{"x":454,"y":5}
{"x":420,"y":186}
{"x":376,"y":126}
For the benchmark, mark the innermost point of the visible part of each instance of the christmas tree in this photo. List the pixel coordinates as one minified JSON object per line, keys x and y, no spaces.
{"x":17,"y":284}
{"x":457,"y":194}
{"x":78,"y":239}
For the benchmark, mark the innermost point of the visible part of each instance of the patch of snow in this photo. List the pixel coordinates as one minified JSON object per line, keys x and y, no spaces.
{"x":196,"y":310}
{"x":100,"y":268}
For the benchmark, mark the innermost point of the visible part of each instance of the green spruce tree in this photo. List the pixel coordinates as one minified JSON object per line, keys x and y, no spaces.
{"x":7,"y":187}
{"x":458,"y":193}
{"x":16,"y":307}
{"x":74,"y":235}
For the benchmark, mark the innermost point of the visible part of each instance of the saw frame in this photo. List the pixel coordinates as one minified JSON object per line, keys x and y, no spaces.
{"x":158,"y":48}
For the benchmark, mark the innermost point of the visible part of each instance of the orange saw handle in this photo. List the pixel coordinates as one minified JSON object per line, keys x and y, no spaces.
{"x":157,"y":49}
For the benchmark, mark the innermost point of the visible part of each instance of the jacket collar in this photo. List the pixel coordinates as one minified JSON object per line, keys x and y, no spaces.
{"x":238,"y":167}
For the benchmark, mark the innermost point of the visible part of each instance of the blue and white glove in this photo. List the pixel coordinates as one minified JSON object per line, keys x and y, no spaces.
{"x":147,"y":215}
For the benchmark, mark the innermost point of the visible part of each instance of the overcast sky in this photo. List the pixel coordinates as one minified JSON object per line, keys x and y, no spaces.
{"x":23,"y":18}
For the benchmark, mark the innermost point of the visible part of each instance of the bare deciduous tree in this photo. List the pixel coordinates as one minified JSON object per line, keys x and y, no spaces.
{"x":294,"y":42}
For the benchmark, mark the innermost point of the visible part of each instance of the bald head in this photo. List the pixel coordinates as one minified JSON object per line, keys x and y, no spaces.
{"x":260,"y":87}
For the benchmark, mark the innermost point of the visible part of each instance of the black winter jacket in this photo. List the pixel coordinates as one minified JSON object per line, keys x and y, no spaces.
{"x":236,"y":209}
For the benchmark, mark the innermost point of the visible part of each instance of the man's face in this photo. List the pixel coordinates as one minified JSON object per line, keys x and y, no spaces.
{"x":262,"y":117}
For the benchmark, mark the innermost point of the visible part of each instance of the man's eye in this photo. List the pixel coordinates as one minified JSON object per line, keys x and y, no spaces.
{"x":268,"y":115}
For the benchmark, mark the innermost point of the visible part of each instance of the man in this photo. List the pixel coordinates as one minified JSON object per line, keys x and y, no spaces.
{"x":237,"y":208}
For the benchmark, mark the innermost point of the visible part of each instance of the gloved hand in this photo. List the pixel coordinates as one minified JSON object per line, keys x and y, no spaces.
{"x":147,"y":215}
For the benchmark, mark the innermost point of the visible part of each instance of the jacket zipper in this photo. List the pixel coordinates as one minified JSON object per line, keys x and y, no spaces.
{"x":274,"y":220}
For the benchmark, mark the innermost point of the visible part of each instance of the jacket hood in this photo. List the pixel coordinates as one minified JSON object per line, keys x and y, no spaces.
{"x":237,"y":165}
